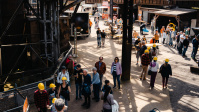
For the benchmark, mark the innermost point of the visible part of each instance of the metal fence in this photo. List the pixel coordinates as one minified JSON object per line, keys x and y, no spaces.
{"x":12,"y":100}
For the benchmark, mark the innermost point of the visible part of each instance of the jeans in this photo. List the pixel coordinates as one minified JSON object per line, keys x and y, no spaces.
{"x":114,"y":79}
{"x":194,"y":52}
{"x":170,"y":41}
{"x":101,"y":79}
{"x":96,"y":91}
{"x":163,"y":40}
{"x":66,"y":103}
{"x":87,"y":100}
{"x":99,"y":41}
{"x":180,"y":48}
{"x":78,"y":88}
{"x":103,"y":41}
{"x":184,"y":50}
{"x":153,"y":76}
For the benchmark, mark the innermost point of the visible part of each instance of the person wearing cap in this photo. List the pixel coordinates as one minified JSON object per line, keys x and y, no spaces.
{"x":153,"y":68}
{"x":52,"y":92}
{"x":101,"y":69}
{"x":63,"y":73}
{"x":41,"y":98}
{"x":60,"y":105}
{"x":154,"y":51}
{"x":96,"y":84}
{"x":195,"y":47}
{"x":52,"y":107}
{"x":145,"y":62}
{"x":185,"y":46}
{"x":64,"y":90}
{"x":150,"y":54}
{"x":78,"y":81}
{"x":165,"y":71}
{"x":143,"y":48}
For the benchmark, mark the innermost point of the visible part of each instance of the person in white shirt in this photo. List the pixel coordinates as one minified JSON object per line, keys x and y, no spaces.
{"x":153,"y":69}
{"x":63,"y":73}
{"x":182,"y":37}
{"x":164,"y":35}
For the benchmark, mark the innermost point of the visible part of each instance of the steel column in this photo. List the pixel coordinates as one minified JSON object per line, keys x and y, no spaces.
{"x":111,"y":14}
{"x":51,"y":29}
{"x":44,"y":26}
{"x":0,"y":63}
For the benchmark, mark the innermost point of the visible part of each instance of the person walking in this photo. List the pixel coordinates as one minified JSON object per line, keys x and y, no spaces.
{"x":103,"y":35}
{"x":154,"y":51}
{"x":171,"y":37}
{"x":52,"y":92}
{"x":107,"y":100}
{"x":138,"y":47}
{"x":64,"y":90}
{"x":165,"y":71}
{"x":143,"y":48}
{"x":78,"y":81}
{"x":86,"y":91}
{"x":195,"y":47}
{"x":41,"y":98}
{"x":101,"y":69}
{"x":153,"y":68}
{"x":157,"y":36}
{"x":185,"y":46}
{"x":98,"y":37}
{"x":177,"y":39}
{"x":96,"y":84}
{"x":182,"y":37}
{"x":63,"y":73}
{"x":164,"y":36}
{"x":150,"y":53}
{"x":116,"y":71}
{"x":145,"y":62}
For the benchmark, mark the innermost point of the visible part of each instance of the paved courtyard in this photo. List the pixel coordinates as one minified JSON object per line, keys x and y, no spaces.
{"x":135,"y":96}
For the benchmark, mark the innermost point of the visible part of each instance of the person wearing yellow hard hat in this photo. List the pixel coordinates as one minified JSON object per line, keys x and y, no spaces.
{"x":142,"y":49}
{"x":52,"y":107}
{"x":150,"y":54}
{"x":154,"y":51}
{"x":41,"y":98}
{"x":153,"y":69}
{"x":145,"y":60}
{"x":52,"y":92}
{"x":165,"y":71}
{"x":64,"y":91}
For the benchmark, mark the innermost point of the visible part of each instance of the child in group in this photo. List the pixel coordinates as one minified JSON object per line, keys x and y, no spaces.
{"x":52,"y":107}
{"x":107,"y":83}
{"x":52,"y":92}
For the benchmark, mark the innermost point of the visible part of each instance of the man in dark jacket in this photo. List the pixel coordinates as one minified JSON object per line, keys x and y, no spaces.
{"x":78,"y":81}
{"x":195,"y":47}
{"x":86,"y":86}
{"x":145,"y":62}
{"x":185,"y":45}
{"x":101,"y":69}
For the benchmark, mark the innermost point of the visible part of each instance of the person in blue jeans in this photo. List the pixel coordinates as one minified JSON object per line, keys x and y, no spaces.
{"x":78,"y":81}
{"x":195,"y":47}
{"x":99,"y":37}
{"x":185,"y":45}
{"x":96,"y":84}
{"x":116,"y":71}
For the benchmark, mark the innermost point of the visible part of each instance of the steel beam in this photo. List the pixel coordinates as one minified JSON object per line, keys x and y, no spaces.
{"x":70,"y":5}
{"x":75,"y":11}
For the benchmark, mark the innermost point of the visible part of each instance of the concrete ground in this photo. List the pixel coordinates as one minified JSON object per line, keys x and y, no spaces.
{"x":135,"y":96}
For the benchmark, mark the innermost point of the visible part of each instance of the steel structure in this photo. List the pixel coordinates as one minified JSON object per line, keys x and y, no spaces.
{"x":46,"y":13}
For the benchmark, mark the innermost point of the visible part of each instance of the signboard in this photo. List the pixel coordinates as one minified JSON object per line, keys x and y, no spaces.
{"x":105,"y":3}
{"x":25,"y":106}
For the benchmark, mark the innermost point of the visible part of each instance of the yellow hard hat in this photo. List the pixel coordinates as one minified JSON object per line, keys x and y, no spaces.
{"x":64,"y":78}
{"x":154,"y":45}
{"x":41,"y":86}
{"x":155,"y":58}
{"x":54,"y":99}
{"x":167,"y":60}
{"x":148,"y":48}
{"x":52,"y":85}
{"x":146,"y":51}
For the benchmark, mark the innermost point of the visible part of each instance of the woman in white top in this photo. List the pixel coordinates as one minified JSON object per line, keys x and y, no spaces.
{"x":164,"y":35}
{"x":153,"y":68}
{"x":63,"y":73}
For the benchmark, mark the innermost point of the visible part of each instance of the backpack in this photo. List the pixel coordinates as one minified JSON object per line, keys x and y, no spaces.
{"x":86,"y":89}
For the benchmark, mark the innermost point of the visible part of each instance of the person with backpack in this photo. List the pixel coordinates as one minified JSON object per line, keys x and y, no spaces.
{"x":64,"y":91}
{"x":86,"y":91}
{"x":165,"y":71}
{"x":195,"y":47}
{"x":153,"y":68}
{"x":154,"y":51}
{"x":108,"y":100}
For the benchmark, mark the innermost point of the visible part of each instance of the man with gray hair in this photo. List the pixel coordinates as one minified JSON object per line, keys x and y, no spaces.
{"x":86,"y":88}
{"x":96,"y":84}
{"x":60,"y":105}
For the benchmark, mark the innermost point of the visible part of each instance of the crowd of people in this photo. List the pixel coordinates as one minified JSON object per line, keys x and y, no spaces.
{"x":60,"y":92}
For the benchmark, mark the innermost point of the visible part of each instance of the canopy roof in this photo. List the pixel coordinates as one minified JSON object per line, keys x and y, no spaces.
{"x":173,"y":12}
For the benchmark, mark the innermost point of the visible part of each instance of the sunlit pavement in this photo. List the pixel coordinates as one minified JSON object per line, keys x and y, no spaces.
{"x":135,"y":95}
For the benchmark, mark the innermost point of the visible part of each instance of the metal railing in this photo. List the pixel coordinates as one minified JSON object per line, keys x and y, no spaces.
{"x":8,"y":99}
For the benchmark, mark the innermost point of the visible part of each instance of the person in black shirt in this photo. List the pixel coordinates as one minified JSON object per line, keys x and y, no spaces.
{"x":103,"y":35}
{"x":86,"y":91}
{"x":137,"y":41}
{"x":78,"y":81}
{"x":185,"y":45}
{"x":143,"y":48}
{"x":107,"y":83}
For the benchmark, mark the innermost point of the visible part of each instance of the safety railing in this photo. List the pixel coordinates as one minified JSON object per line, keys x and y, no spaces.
{"x":8,"y":99}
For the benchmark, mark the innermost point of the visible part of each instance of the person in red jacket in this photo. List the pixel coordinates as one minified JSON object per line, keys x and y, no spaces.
{"x":41,"y":98}
{"x":101,"y":69}
{"x":145,"y":60}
